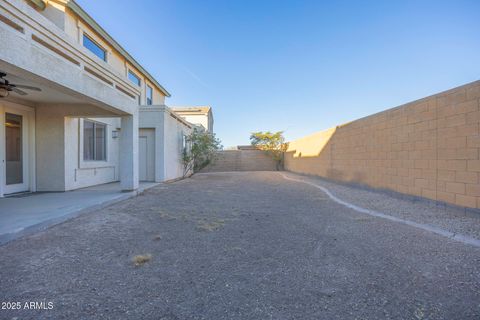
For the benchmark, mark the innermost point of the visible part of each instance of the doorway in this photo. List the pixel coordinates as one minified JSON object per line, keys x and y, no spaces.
{"x":146,"y":148}
{"x":15,"y":145}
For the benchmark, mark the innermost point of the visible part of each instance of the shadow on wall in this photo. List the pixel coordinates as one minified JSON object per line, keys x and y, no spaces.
{"x":427,"y":148}
{"x":315,"y":154}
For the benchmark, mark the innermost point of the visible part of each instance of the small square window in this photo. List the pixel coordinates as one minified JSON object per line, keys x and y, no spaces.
{"x":149,"y":95}
{"x":134,"y":78}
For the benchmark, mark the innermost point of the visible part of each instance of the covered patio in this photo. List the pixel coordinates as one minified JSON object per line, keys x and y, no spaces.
{"x":44,"y":146}
{"x":44,"y":128}
{"x":26,"y":213}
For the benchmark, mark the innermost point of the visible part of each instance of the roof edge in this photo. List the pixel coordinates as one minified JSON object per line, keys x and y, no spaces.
{"x":192,"y":109}
{"x":89,"y":20}
{"x":38,"y":4}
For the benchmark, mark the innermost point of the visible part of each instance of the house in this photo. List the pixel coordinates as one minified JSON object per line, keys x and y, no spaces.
{"x":200,"y":115}
{"x":83,"y":112}
{"x":162,"y":126}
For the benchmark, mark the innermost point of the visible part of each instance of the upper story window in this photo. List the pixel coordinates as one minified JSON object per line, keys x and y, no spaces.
{"x":134,"y":78}
{"x":149,"y":95}
{"x":94,"y":47}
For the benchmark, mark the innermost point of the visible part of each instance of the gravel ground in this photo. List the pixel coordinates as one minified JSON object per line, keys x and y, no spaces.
{"x":448,"y":217}
{"x":239,"y":246}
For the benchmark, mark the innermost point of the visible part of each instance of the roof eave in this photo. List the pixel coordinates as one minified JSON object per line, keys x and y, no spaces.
{"x":90,"y":21}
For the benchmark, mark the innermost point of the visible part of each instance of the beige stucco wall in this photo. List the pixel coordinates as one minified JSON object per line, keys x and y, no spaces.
{"x":75,"y":27}
{"x":168,"y":140}
{"x":59,"y":151}
{"x":80,"y":173}
{"x":45,"y":49}
{"x":152,"y":118}
{"x":427,"y":148}
{"x":173,"y":135}
{"x":50,"y":138}
{"x":34,"y":62}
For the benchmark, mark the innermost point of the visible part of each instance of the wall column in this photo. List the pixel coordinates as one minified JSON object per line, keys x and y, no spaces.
{"x":129,"y":152}
{"x":160,"y":149}
{"x":50,"y":148}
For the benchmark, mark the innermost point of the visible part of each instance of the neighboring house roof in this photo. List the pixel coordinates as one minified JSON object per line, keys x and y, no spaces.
{"x":204,"y":112}
{"x":72,"y":5}
{"x":166,"y":109}
{"x":192,"y":110}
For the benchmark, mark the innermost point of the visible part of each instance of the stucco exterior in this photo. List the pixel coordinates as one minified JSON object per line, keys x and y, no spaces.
{"x":42,"y":47}
{"x":169,"y":131}
{"x":175,"y":129}
{"x":80,"y":173}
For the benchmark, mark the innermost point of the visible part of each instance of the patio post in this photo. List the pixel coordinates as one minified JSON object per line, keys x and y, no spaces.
{"x":129,"y":152}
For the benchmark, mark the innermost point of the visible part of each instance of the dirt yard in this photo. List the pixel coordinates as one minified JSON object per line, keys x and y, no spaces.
{"x":238,"y":246}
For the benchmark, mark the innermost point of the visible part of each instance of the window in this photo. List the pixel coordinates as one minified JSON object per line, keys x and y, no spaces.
{"x":185,"y":144}
{"x":94,"y":141}
{"x":149,"y":95}
{"x":94,"y":47}
{"x":134,"y":78}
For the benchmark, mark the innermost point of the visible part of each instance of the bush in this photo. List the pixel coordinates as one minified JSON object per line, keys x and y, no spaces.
{"x":200,"y":150}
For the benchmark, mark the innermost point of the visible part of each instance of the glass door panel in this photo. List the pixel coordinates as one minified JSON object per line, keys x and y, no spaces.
{"x":14,"y":148}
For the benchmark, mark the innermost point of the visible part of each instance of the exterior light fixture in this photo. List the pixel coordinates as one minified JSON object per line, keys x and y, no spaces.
{"x":3,"y":93}
{"x":114,"y":134}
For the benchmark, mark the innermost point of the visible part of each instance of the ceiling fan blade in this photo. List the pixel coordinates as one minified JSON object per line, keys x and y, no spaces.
{"x":20,"y":92}
{"x":26,"y":87}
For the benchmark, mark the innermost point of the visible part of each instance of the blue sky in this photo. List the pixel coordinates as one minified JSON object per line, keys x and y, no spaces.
{"x":297,"y":66}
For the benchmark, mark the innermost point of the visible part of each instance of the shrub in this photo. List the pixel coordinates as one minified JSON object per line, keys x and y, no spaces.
{"x":200,"y":150}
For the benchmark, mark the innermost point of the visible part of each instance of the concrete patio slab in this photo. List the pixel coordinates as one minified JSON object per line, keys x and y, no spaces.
{"x":27,"y":213}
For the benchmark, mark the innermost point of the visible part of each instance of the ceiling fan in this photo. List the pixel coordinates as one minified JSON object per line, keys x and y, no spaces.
{"x":6,"y":87}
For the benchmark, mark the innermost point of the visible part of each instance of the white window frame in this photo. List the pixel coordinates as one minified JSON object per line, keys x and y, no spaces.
{"x":146,"y":95}
{"x":94,"y":162}
{"x":130,"y":71}
{"x":85,"y":34}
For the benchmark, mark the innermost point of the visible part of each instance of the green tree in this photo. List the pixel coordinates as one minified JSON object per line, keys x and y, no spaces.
{"x":272,"y":142}
{"x":199,"y":150}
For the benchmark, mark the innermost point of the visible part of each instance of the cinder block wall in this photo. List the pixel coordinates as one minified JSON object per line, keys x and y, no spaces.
{"x":241,"y":160}
{"x":428,"y":148}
